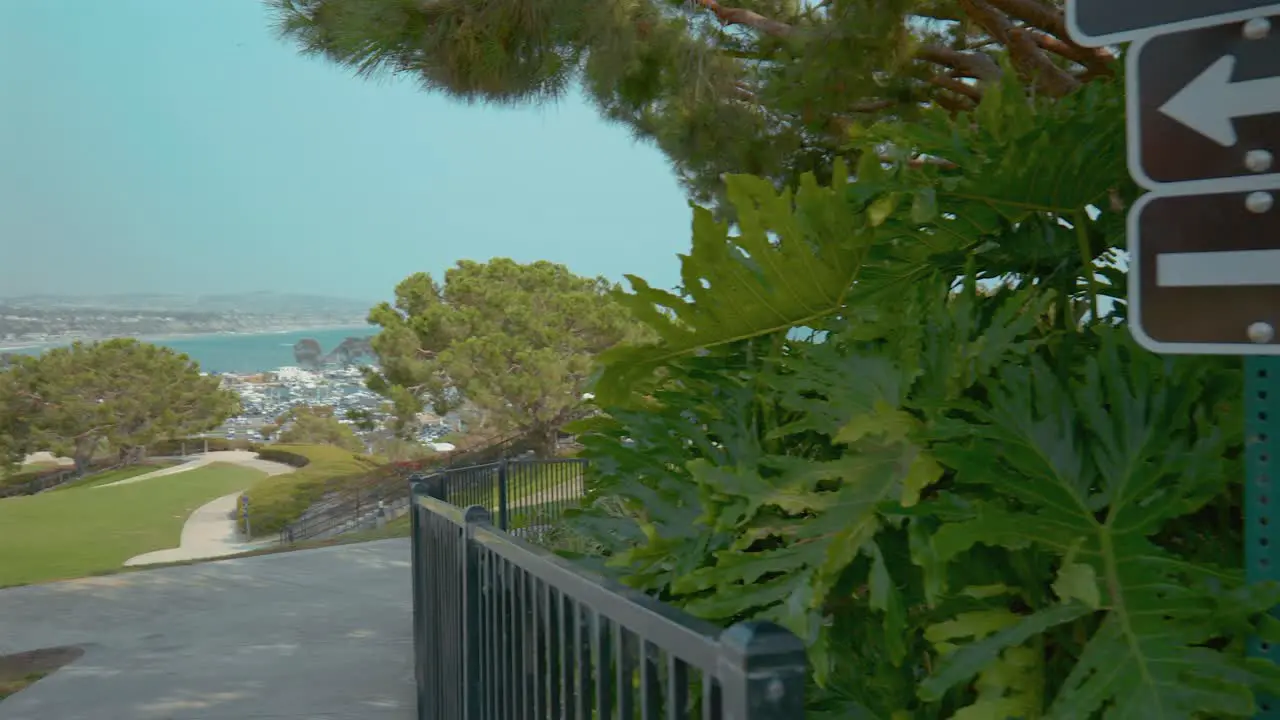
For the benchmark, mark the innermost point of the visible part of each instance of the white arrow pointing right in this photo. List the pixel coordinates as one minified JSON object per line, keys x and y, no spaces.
{"x":1209,"y":103}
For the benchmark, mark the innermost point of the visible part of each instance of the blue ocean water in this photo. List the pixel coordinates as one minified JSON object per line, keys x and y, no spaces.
{"x":256,"y":353}
{"x":253,"y":353}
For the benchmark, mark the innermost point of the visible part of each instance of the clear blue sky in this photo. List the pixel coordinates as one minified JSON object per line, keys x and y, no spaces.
{"x":179,"y":146}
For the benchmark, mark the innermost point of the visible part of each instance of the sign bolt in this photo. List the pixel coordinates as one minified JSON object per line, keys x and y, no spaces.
{"x":1261,"y":333}
{"x":1258,"y":160}
{"x":1259,"y":202}
{"x":1257,"y":28}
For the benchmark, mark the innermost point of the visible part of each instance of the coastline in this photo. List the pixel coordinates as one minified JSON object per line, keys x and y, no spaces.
{"x":178,"y":336}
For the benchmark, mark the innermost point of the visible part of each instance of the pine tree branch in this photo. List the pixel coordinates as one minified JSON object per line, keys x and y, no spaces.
{"x":974,"y":65}
{"x":1028,"y":48}
{"x":1030,"y":60}
{"x":1097,"y":61}
{"x":1053,"y":23}
{"x":749,"y":18}
{"x":956,"y":86}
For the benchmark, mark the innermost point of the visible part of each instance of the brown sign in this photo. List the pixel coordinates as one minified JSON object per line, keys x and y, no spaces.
{"x":1095,"y":23}
{"x":1205,"y":275}
{"x":1205,"y":104}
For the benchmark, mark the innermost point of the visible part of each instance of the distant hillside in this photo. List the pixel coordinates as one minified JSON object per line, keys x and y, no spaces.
{"x":257,"y":303}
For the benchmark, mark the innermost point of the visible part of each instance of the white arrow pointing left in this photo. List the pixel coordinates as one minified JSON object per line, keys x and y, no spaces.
{"x":1211,"y":102}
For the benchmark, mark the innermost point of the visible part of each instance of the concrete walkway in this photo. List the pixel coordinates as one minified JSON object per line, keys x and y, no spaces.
{"x":319,"y":634}
{"x":236,"y":457}
{"x":211,"y":531}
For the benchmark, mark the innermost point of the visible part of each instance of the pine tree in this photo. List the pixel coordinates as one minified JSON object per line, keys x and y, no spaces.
{"x":766,"y":87}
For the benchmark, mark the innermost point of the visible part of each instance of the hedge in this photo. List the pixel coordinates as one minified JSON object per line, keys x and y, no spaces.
{"x":25,"y":481}
{"x":276,"y":454}
{"x":197,"y":444}
{"x":278,"y":500}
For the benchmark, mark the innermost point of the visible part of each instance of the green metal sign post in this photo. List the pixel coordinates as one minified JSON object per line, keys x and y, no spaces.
{"x":1262,"y":446}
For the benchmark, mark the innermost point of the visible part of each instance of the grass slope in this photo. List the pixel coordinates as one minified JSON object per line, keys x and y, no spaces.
{"x":85,"y":531}
{"x":111,"y":476}
{"x":276,"y":501}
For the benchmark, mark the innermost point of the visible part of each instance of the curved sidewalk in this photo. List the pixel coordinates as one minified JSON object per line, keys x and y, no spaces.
{"x":236,"y":457}
{"x":211,"y":531}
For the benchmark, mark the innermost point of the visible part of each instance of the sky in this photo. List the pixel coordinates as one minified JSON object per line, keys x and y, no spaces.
{"x":180,"y":146}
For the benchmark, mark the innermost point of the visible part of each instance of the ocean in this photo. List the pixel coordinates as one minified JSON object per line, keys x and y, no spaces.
{"x":251,"y":353}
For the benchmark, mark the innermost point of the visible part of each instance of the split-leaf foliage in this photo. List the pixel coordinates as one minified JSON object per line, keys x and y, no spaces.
{"x":899,"y":413}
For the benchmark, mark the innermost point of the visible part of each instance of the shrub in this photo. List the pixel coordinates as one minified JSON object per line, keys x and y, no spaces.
{"x":26,"y":482}
{"x":276,"y":501}
{"x":178,"y":446}
{"x":277,"y":454}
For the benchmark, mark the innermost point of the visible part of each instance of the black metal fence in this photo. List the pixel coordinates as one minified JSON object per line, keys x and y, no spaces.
{"x":504,"y":630}
{"x":358,"y":507}
{"x":527,"y":495}
{"x":54,"y":478}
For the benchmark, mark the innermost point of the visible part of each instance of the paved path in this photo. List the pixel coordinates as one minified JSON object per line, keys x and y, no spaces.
{"x":237,"y":457}
{"x":211,"y":531}
{"x":311,"y":635}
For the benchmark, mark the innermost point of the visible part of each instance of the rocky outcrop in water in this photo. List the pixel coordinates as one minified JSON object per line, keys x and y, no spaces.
{"x":351,"y":351}
{"x":308,"y":354}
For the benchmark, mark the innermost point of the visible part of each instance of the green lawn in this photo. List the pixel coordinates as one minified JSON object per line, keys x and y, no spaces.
{"x":84,"y":531}
{"x":111,"y":476}
{"x":540,"y":484}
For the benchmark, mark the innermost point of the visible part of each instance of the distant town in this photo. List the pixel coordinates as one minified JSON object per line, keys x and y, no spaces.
{"x":265,"y":397}
{"x":46,"y":320}
{"x":320,"y":376}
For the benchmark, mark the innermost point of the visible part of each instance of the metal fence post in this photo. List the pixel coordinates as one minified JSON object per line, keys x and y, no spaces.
{"x":1262,"y":446}
{"x":417,"y":558}
{"x":502,"y":494}
{"x":472,"y":647}
{"x":436,"y":486}
{"x":763,"y":669}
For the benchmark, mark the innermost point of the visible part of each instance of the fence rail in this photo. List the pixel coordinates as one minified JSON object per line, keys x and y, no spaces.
{"x":56,"y":478}
{"x":362,"y":503}
{"x":526,"y":495}
{"x":505,"y":630}
{"x":354,"y":508}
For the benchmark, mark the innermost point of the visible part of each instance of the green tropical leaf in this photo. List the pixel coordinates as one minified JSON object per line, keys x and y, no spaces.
{"x":792,"y":261}
{"x":1090,"y":470}
{"x":994,"y":632}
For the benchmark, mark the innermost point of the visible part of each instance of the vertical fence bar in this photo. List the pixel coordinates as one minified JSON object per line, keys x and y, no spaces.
{"x":419,"y":615}
{"x":519,"y":647}
{"x":503,"y":519}
{"x":539,"y":650}
{"x":565,"y":608}
{"x":498,"y":639}
{"x":762,"y":670}
{"x":624,"y":667}
{"x":495,"y":637}
{"x":472,"y":591}
{"x":1262,"y":443}
{"x":553,"y":651}
{"x":678,"y":688}
{"x":602,"y":658}
{"x":582,"y":654}
{"x":484,"y":650}
{"x":505,"y":658}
